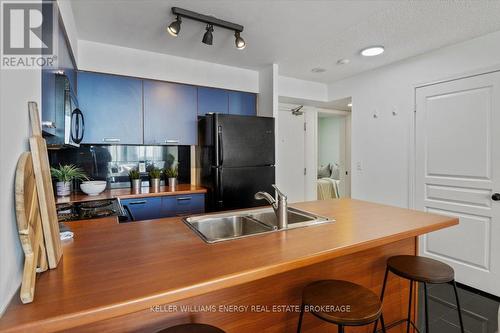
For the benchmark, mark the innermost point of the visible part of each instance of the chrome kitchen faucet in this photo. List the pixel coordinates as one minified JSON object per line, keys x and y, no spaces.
{"x":279,"y":205}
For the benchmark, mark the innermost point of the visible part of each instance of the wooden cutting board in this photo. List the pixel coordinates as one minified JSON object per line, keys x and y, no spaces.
{"x":29,"y":225}
{"x":45,"y":190}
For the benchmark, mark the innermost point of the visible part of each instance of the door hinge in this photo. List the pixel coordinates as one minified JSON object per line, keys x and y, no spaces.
{"x":305,"y":126}
{"x":305,"y":171}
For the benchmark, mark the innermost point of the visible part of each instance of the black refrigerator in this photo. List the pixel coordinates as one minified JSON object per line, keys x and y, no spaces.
{"x":237,"y":159}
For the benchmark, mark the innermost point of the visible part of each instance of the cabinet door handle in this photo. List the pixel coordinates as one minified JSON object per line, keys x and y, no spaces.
{"x":110,"y":140}
{"x":138,"y":202}
{"x":171,"y":141}
{"x":183,"y":198}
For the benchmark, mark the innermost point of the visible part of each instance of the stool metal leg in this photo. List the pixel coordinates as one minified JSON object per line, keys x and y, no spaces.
{"x":458,"y":307}
{"x":426,"y":309}
{"x":409,"y":307}
{"x":382,"y":322}
{"x":341,"y":329}
{"x":299,"y":326}
{"x":381,"y":300}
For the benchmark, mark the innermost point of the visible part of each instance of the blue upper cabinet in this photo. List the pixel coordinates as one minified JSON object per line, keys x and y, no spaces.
{"x":212,"y":100}
{"x":170,"y":113}
{"x":112,"y":108}
{"x":242,"y":103}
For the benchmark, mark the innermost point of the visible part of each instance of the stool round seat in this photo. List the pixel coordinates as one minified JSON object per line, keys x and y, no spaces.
{"x":329,"y":299}
{"x":420,"y":269}
{"x":192,"y":328}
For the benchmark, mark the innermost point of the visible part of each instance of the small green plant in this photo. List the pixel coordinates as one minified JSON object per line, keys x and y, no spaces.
{"x":155,"y":173}
{"x":66,"y":173}
{"x":134,"y":174}
{"x":172,"y":172}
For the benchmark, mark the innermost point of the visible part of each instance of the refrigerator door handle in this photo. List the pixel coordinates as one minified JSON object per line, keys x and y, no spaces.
{"x":221,"y":149}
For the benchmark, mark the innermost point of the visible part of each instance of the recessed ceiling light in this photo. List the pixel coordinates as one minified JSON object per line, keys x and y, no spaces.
{"x":318,"y":70}
{"x":372,"y":51}
{"x":349,"y":105}
{"x":343,"y":61}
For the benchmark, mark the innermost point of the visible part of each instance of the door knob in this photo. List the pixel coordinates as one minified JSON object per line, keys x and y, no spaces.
{"x":495,"y":197}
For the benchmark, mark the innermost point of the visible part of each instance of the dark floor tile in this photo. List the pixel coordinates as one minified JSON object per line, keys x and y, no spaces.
{"x":483,"y":305}
{"x":479,"y":312}
{"x":442,"y":326}
{"x":446,"y":293}
{"x":472,"y":322}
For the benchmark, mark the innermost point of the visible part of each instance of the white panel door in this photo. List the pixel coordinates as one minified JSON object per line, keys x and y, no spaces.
{"x":458,"y":174}
{"x":291,"y":156}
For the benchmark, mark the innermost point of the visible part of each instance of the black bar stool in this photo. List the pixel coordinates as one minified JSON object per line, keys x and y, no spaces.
{"x":328,"y":299}
{"x":424,"y":270}
{"x":192,"y":328}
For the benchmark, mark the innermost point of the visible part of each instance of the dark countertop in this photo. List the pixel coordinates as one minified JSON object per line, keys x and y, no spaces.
{"x":127,"y":193}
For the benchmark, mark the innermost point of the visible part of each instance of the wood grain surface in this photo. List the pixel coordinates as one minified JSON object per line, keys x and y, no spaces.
{"x":29,"y":226}
{"x":112,"y":270}
{"x":50,"y":224}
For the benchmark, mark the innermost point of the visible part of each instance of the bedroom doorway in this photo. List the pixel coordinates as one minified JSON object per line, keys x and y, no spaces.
{"x":334,"y":151}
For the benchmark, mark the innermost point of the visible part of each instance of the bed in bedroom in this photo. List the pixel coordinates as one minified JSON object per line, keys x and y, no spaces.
{"x":328,"y":182}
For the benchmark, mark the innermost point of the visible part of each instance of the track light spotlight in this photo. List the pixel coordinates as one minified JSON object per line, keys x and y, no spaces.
{"x":210,"y":21}
{"x":239,"y":41}
{"x":208,"y":37}
{"x":175,"y":27}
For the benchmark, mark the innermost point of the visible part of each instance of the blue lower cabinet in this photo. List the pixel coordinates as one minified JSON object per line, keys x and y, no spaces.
{"x":181,"y":205}
{"x":143,"y":208}
{"x":166,"y":206}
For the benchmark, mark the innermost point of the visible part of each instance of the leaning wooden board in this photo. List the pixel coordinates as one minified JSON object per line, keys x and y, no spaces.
{"x":45,"y":192}
{"x":29,"y":226}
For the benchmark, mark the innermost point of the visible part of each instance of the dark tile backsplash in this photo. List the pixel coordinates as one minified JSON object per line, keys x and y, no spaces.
{"x":112,"y":162}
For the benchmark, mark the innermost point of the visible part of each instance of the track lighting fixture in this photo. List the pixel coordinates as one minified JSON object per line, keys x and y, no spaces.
{"x":240,"y":42}
{"x":175,"y":27}
{"x":208,"y":37}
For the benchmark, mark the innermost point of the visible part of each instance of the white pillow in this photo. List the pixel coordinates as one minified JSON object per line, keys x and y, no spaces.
{"x":335,"y":174}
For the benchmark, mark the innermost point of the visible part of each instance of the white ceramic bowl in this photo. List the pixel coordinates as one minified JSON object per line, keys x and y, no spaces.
{"x":93,"y":187}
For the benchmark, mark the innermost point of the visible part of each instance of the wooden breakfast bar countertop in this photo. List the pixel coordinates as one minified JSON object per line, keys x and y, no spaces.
{"x":110,"y":269}
{"x":127,"y":193}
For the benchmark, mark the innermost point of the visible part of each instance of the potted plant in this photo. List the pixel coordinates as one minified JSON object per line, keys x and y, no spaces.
{"x":135,"y":180}
{"x":64,"y":175}
{"x":171,"y":174}
{"x":154,"y":179}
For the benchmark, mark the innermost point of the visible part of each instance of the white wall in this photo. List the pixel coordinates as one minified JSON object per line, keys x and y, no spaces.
{"x":267,"y":104}
{"x":381,"y":146}
{"x":132,"y":62}
{"x":329,"y":140}
{"x":302,"y":89}
{"x":17,"y":87}
{"x":68,"y":19}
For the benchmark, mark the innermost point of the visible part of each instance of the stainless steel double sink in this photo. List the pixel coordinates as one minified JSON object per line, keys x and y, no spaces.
{"x":232,"y":225}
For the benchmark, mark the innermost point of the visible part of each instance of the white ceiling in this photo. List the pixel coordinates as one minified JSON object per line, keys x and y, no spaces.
{"x":297,"y":35}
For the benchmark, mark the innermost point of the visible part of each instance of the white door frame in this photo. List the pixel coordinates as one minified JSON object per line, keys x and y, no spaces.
{"x":412,"y":156}
{"x":347,"y":143}
{"x":311,"y":145}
